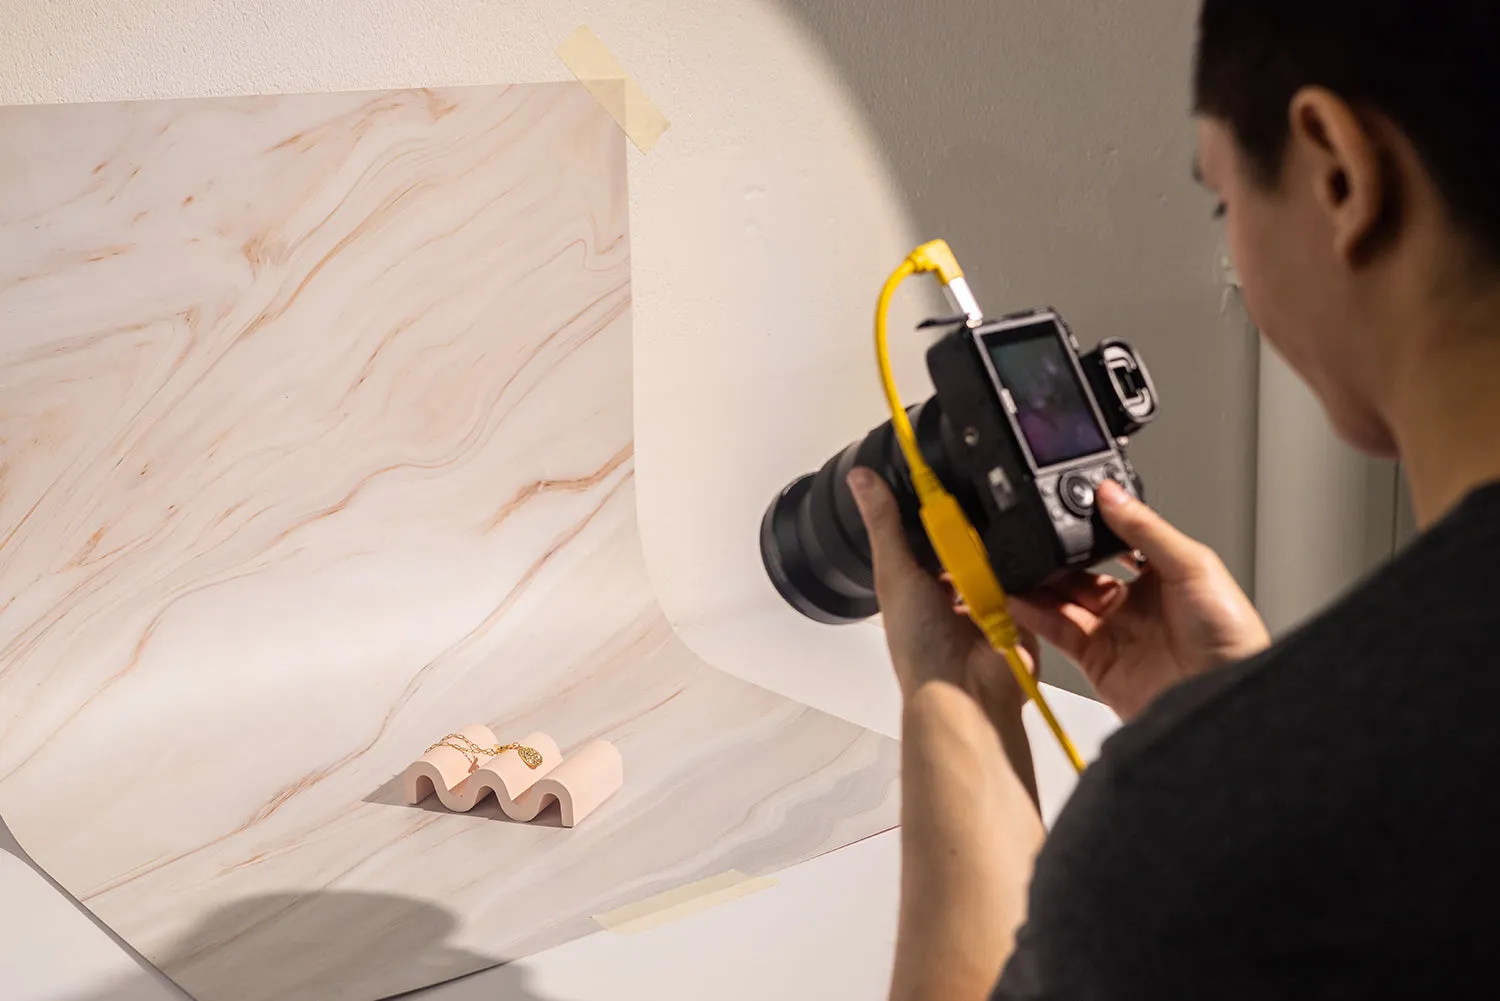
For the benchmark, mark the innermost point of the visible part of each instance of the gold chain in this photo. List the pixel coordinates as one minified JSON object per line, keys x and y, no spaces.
{"x":530,"y":755}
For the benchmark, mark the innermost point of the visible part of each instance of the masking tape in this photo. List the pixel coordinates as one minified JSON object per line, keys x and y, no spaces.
{"x":679,"y":903}
{"x":598,"y":70}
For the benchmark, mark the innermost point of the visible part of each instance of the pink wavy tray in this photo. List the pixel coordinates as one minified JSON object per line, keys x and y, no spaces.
{"x":578,"y":783}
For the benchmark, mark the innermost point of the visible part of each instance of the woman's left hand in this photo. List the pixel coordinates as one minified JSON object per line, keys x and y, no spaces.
{"x":929,"y":643}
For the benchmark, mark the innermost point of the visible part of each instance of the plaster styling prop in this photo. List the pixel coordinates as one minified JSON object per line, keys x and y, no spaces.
{"x":462,"y":769}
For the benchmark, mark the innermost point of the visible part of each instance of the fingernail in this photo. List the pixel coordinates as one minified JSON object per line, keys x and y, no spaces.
{"x":1112,"y":495}
{"x":860,"y":481}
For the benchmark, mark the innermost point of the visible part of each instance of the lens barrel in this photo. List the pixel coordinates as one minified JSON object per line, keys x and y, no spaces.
{"x":812,"y":540}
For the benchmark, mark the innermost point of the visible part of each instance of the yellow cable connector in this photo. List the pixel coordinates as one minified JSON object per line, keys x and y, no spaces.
{"x":937,"y":256}
{"x":954,"y":540}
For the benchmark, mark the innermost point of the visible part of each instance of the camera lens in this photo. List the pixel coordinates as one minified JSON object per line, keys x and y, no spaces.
{"x":812,"y":541}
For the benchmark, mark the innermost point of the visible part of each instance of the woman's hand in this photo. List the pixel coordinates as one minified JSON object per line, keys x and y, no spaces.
{"x":970,"y":826}
{"x":1183,"y":615}
{"x":928,"y":641}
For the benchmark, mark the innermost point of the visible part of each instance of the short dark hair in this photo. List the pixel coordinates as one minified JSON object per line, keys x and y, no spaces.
{"x":1431,"y":66}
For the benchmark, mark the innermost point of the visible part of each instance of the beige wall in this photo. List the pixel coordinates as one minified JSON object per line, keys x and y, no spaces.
{"x":1051,"y":143}
{"x":813,"y":142}
{"x":1326,"y":515}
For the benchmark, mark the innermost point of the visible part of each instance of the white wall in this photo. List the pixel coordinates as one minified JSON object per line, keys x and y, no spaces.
{"x":813,"y":142}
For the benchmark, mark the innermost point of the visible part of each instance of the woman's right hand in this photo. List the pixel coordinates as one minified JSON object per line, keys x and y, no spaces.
{"x":1183,"y":615}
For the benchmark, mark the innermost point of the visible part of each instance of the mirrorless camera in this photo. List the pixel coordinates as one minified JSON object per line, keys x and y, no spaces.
{"x":1022,"y":431}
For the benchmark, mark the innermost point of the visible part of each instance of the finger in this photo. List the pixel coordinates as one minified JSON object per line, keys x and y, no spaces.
{"x":1174,"y":554}
{"x":1097,"y":593}
{"x":1133,"y":563}
{"x":1067,"y":626}
{"x":951,"y":592}
{"x":1032,"y":647}
{"x":882,"y":517}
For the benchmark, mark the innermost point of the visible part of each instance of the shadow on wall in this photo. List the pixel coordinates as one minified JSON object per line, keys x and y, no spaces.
{"x":1051,"y":145}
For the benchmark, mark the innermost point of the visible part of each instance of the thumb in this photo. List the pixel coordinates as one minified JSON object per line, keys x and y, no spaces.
{"x":1173,"y":554}
{"x":882,"y":517}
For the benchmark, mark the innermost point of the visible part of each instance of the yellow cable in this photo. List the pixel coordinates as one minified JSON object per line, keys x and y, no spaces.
{"x":958,"y":546}
{"x":904,"y":433}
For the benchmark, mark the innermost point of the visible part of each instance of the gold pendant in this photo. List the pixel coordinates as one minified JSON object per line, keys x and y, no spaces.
{"x":530,"y":755}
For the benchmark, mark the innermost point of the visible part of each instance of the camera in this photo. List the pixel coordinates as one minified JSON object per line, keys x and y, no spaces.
{"x":1022,"y":430}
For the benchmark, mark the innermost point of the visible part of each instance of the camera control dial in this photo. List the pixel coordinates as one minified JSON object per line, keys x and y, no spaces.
{"x":1077,"y":494}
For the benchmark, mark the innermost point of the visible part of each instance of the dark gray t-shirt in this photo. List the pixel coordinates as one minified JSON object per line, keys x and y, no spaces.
{"x":1318,"y":822}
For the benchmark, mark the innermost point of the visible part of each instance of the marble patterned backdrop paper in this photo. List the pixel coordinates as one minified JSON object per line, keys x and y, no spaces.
{"x":315,"y":444}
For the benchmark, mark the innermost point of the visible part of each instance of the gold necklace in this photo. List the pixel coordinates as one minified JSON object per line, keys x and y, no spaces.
{"x":530,"y":755}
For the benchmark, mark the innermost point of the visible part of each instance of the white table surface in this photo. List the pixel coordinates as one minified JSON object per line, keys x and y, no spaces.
{"x":826,"y":930}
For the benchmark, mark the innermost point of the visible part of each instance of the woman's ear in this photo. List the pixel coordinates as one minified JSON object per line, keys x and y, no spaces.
{"x":1348,"y":180}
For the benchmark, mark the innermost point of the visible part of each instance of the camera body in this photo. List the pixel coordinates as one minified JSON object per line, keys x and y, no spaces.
{"x":1039,"y":427}
{"x":1022,"y":430}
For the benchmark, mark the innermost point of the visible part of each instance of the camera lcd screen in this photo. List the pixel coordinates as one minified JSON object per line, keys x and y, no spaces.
{"x":1054,"y":414}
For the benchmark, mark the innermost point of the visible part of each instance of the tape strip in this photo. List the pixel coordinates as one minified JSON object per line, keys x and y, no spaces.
{"x":601,"y":73}
{"x":679,"y":903}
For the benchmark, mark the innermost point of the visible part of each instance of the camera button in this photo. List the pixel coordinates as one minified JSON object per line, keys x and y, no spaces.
{"x":1078,"y":494}
{"x":1114,"y":471}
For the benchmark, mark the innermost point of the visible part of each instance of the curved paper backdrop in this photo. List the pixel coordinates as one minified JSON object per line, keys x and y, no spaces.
{"x":315,"y":444}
